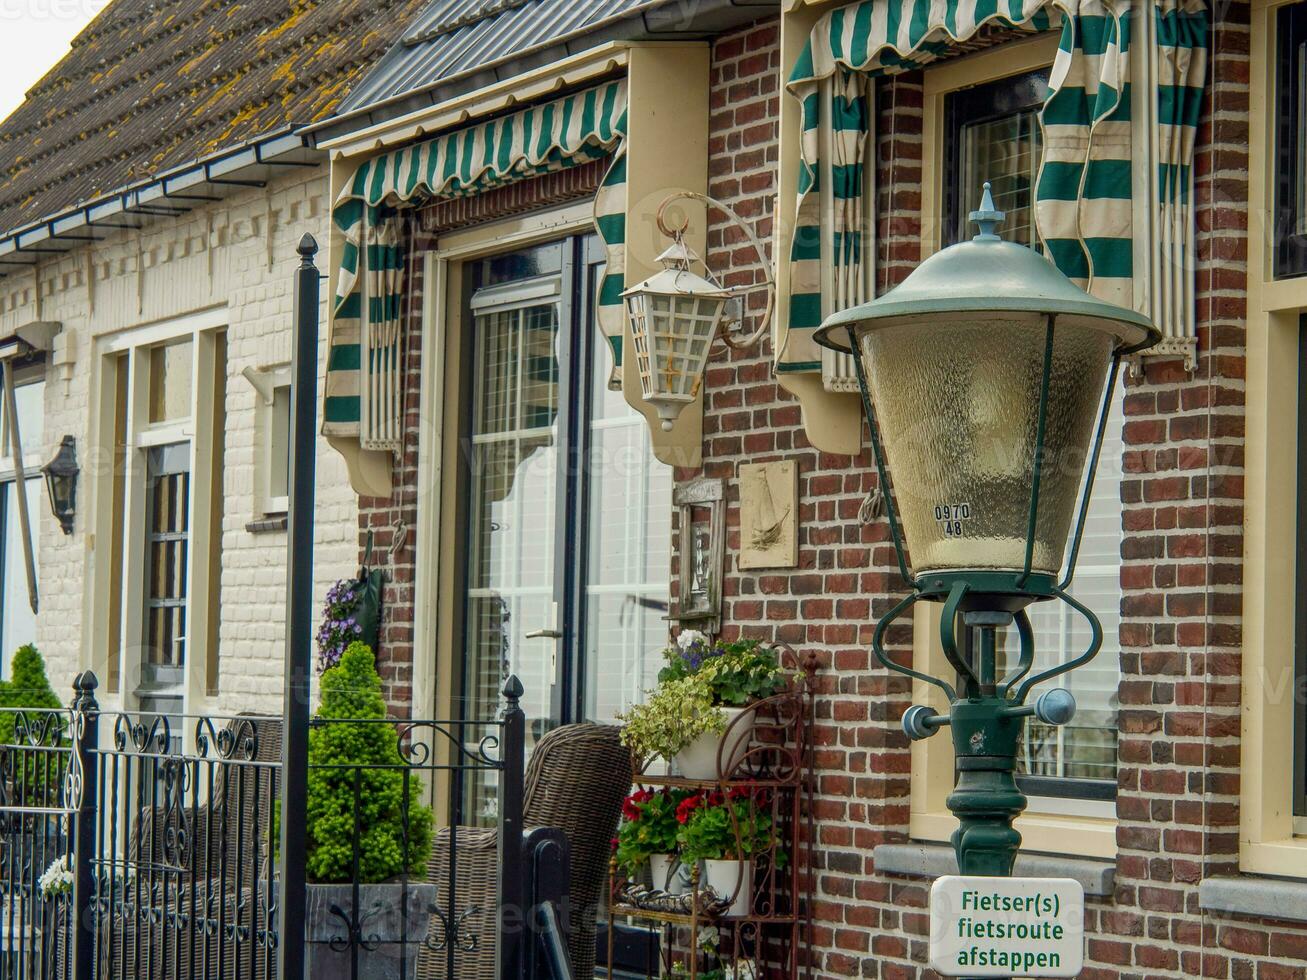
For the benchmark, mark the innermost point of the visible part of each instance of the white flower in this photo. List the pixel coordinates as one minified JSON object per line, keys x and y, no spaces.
{"x":57,"y":879}
{"x":709,"y":937}
{"x":688,"y":638}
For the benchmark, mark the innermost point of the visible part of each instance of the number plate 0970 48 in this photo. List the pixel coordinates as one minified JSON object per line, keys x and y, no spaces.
{"x":952,"y":518}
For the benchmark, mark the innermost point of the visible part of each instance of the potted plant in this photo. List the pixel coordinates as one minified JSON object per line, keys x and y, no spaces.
{"x":725,"y":830}
{"x":648,"y":833}
{"x":671,"y":717}
{"x":736,"y":675}
{"x":358,"y":816}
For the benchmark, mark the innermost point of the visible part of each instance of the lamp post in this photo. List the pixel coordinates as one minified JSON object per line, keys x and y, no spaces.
{"x":981,"y":375}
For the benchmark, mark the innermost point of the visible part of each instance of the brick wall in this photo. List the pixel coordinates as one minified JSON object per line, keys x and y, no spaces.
{"x":1181,"y":571}
{"x":829,"y":604}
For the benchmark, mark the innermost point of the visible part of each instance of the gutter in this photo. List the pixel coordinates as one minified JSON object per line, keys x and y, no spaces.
{"x":686,"y":19}
{"x":168,"y":195}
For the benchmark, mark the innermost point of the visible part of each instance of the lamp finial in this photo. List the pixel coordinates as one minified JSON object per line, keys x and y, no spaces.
{"x":988,"y":218}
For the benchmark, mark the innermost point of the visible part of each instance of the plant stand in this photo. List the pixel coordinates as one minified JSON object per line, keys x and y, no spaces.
{"x":771,"y":937}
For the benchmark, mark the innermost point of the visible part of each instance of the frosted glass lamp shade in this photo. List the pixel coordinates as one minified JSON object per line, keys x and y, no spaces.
{"x":958,"y":410}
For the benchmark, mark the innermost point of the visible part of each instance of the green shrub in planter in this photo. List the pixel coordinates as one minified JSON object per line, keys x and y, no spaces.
{"x":27,"y":687}
{"x":341,"y":753}
{"x":33,"y":774}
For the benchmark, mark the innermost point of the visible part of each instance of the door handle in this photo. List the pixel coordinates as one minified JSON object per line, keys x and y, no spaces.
{"x":544,"y":634}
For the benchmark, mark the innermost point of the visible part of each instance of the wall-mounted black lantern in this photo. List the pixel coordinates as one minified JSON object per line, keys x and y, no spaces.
{"x":61,"y":483}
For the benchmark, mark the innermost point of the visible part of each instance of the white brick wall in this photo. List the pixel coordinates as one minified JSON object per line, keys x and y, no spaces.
{"x":238,"y":254}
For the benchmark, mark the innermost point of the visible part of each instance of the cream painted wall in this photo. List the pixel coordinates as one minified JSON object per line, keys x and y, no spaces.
{"x":237,"y":256}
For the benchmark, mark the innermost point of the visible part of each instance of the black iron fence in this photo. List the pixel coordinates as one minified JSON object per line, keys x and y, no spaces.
{"x":149,"y":847}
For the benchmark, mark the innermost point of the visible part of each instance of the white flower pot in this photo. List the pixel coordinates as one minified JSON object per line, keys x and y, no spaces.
{"x":731,"y":880}
{"x":664,"y":878}
{"x":698,"y":760}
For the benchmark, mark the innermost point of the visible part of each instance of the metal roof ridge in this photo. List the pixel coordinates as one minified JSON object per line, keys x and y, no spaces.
{"x":201,"y":163}
{"x":558,"y":40}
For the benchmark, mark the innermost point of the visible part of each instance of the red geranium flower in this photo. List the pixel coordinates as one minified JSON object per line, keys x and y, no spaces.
{"x":688,"y":806}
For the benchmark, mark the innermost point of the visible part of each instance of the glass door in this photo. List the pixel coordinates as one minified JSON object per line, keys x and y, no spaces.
{"x":568,"y":514}
{"x":513,"y":507}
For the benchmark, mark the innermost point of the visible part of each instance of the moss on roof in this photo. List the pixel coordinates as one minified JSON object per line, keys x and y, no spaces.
{"x":151,"y":85}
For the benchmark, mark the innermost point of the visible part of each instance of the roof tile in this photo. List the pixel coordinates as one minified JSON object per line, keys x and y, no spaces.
{"x":151,"y":85}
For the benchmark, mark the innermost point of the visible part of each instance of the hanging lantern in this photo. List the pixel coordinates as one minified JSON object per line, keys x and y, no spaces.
{"x":984,"y":372}
{"x":61,"y":483}
{"x":677,"y":314}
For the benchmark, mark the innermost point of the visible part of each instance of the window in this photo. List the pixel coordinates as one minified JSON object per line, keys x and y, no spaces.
{"x":17,"y":620}
{"x":1290,"y":231}
{"x":568,"y":523}
{"x":991,"y":133}
{"x":167,"y":544}
{"x":164,"y":398}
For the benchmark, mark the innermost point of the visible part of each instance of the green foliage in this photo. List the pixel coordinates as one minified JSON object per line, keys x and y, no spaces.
{"x":27,"y":687}
{"x":343,"y":756}
{"x":717,"y":826}
{"x":674,"y":715}
{"x":738,"y":672}
{"x":33,"y":772}
{"x":648,"y":826}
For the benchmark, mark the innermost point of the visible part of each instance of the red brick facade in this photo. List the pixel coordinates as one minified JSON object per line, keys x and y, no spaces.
{"x":1178,"y":754}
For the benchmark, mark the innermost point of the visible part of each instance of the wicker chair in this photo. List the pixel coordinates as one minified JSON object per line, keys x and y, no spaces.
{"x":576,"y":780}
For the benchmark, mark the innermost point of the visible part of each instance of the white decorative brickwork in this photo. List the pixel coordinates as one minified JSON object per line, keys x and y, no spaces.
{"x":237,"y":255}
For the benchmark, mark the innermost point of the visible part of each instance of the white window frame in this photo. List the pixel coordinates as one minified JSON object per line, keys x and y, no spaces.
{"x":202,"y":330}
{"x":1268,"y":843}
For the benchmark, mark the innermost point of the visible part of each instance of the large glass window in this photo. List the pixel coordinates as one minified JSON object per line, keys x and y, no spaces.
{"x":992,"y":134}
{"x":17,"y":619}
{"x":569,"y":514}
{"x":1290,"y":229}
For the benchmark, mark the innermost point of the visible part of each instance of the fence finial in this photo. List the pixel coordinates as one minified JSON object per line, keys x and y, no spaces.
{"x":84,"y":686}
{"x":512,"y":690}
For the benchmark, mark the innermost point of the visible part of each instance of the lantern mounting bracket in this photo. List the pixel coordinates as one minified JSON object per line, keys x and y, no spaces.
{"x":676,"y":232}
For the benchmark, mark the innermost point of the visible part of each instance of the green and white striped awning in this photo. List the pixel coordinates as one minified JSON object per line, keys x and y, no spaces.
{"x":567,"y":132}
{"x":1084,"y":196}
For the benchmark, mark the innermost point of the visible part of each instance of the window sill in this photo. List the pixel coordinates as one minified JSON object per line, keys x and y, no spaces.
{"x":935,"y":860}
{"x":1045,"y":833}
{"x":1264,"y":898}
{"x":267,"y":525}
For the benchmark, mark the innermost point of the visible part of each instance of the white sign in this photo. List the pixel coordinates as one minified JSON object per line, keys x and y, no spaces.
{"x":1006,"y":927}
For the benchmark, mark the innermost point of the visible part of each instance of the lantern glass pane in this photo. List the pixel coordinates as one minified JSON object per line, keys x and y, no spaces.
{"x":958,"y":409}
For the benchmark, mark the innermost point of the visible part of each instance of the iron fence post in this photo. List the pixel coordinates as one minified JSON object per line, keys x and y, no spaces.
{"x":514,"y":927}
{"x":293,"y":896}
{"x":82,"y":789}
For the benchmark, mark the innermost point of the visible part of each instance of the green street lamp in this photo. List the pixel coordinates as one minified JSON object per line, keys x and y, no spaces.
{"x":982,"y":375}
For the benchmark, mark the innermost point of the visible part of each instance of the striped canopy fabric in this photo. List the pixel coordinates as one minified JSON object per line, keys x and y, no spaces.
{"x":1084,"y":196}
{"x":361,"y":391}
